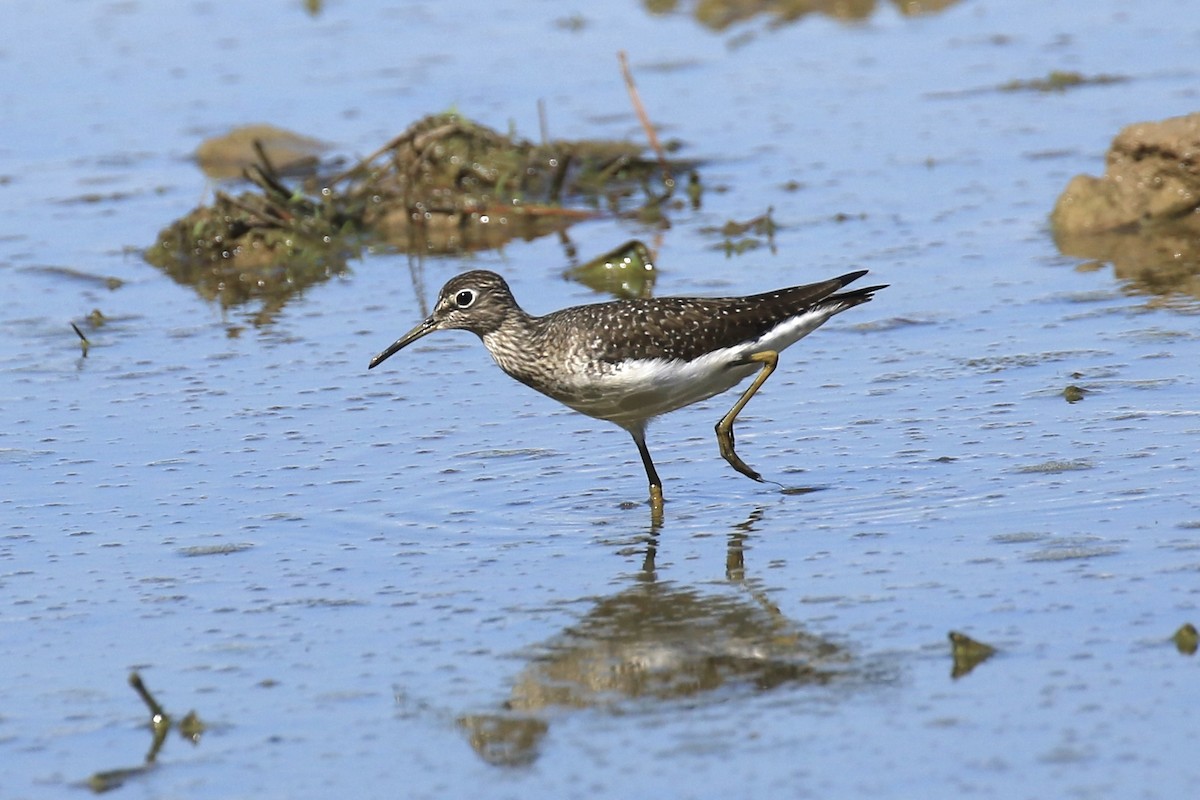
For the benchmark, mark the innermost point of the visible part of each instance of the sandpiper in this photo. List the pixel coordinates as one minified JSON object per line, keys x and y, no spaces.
{"x":629,"y":361}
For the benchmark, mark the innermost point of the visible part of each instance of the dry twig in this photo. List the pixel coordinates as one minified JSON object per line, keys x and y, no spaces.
{"x":645,"y":119}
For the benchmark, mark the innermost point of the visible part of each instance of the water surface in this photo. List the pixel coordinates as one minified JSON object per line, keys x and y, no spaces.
{"x":429,"y":581}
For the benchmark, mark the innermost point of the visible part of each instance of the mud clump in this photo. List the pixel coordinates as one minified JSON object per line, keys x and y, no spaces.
{"x":1152,"y":176}
{"x":1143,"y":214}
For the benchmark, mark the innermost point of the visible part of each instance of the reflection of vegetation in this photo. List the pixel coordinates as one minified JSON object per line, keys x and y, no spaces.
{"x":446,"y":185}
{"x":256,"y":247}
{"x":190,"y":728}
{"x":721,"y":14}
{"x":967,"y":654}
{"x":740,"y":237}
{"x":654,"y":642}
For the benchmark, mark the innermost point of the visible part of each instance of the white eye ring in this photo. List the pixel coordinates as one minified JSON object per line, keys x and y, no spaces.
{"x":464,"y":299}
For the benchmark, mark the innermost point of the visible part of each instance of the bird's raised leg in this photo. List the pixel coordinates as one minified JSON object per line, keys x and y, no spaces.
{"x":656,"y":494}
{"x":769,"y":359}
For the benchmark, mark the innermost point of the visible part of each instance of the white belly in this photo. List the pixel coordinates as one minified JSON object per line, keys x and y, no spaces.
{"x":635,"y":391}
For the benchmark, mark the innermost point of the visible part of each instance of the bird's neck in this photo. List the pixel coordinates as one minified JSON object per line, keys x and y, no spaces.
{"x":515,"y":343}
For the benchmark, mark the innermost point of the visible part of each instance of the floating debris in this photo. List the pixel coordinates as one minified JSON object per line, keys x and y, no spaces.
{"x":1073,"y":394}
{"x":1055,"y":81}
{"x":109,"y":282}
{"x":721,"y":15}
{"x":628,"y":271}
{"x":1054,"y":467}
{"x":1186,"y":639}
{"x":224,"y":549}
{"x":967,"y":653}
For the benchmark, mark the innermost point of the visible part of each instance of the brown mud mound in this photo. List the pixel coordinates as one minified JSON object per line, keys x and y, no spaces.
{"x":1143,"y":214}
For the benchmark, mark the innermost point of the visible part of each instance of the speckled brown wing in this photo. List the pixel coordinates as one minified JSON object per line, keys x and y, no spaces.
{"x":686,"y":328}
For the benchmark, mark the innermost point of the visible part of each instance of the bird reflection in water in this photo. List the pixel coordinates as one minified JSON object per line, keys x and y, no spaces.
{"x":655,"y":642}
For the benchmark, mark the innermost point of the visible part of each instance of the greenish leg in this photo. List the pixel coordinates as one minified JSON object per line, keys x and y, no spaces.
{"x":769,"y":359}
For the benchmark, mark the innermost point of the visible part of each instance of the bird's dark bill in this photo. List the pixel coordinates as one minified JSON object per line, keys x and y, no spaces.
{"x":426,"y":327}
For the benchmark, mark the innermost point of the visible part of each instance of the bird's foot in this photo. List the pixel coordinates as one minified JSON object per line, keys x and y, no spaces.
{"x":725,"y":442}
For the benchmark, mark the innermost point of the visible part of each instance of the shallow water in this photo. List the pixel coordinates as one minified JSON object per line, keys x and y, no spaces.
{"x":427,"y":580}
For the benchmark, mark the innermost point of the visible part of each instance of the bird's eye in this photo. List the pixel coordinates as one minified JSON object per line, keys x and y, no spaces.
{"x":464,"y":299}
